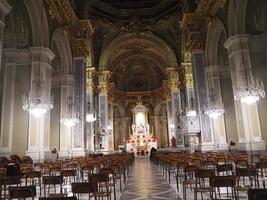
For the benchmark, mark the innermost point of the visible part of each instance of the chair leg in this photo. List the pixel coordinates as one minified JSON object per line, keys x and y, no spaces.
{"x":195,"y":194}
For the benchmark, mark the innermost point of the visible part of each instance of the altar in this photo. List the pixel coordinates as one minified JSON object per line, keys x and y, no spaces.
{"x":141,"y":138}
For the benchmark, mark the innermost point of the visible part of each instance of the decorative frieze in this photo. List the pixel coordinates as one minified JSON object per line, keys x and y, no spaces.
{"x":90,"y":71}
{"x":209,"y":7}
{"x":103,"y":82}
{"x":172,"y":79}
{"x":81,"y":32}
{"x":62,"y":11}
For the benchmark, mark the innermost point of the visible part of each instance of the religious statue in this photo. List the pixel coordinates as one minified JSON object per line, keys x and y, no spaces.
{"x":141,"y":139}
{"x":173,"y":140}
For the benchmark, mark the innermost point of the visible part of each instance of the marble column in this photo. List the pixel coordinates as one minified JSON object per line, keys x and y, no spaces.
{"x":78,"y":136}
{"x":215,"y":101}
{"x":171,"y":126}
{"x":248,"y":123}
{"x":5,"y":8}
{"x":39,"y":127}
{"x":103,"y":82}
{"x":90,"y":108}
{"x":110,"y":130}
{"x":66,"y":133}
{"x":200,"y":86}
{"x":173,"y":81}
{"x":156,"y":129}
{"x":191,"y":119}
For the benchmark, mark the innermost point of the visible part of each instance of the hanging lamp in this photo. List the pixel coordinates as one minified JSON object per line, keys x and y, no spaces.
{"x":36,"y":103}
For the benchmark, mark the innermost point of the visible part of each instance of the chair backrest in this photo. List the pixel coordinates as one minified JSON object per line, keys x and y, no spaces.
{"x":10,"y":180}
{"x":68,"y":173}
{"x":106,"y":171}
{"x":204,"y":173}
{"x":52,"y":180}
{"x":98,"y":178}
{"x":257,"y":194}
{"x":224,"y":168}
{"x":242,"y":172}
{"x":83,"y":188}
{"x":223,"y":181}
{"x":58,"y":198}
{"x":34,"y":174}
{"x":22,"y":192}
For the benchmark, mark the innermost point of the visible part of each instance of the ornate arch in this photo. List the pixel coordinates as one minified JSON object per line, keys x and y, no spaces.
{"x":121,"y":110}
{"x":237,"y":17}
{"x":38,"y":18}
{"x":147,"y":41}
{"x":61,"y":41}
{"x":213,"y":36}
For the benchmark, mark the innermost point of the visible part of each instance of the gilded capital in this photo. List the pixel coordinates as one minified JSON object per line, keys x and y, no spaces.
{"x":81,"y":33}
{"x":62,"y":11}
{"x":172,"y":79}
{"x":209,"y":7}
{"x":195,"y":41}
{"x":188,"y":74}
{"x":103,"y":82}
{"x":90,"y":71}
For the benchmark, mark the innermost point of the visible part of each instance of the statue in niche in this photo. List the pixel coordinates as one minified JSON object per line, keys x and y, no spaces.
{"x":173,"y":141}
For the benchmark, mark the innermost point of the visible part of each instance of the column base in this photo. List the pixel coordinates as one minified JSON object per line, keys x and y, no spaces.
{"x":207,"y":147}
{"x":251,"y":146}
{"x":64,"y":154}
{"x":5,"y":152}
{"x":78,"y":152}
{"x":223,"y":146}
{"x":39,"y":155}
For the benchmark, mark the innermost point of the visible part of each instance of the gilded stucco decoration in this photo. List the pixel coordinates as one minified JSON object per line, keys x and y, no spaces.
{"x":103,"y":82}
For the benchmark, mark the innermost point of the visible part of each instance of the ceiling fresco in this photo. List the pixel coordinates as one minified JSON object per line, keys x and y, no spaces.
{"x":138,"y":65}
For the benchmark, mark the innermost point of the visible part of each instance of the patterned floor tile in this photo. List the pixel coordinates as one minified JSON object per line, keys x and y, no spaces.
{"x":146,"y":183}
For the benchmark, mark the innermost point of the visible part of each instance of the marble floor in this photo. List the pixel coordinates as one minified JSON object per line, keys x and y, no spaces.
{"x":145,"y":183}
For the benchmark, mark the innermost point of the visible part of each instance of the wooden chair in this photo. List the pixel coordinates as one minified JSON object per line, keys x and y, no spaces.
{"x":225,"y":169}
{"x":218,"y":182}
{"x":83,"y":188}
{"x":9,"y":181}
{"x":33,"y":177}
{"x":58,"y":198}
{"x":202,"y":177}
{"x":241,"y":175}
{"x":98,"y":179}
{"x":22,"y":192}
{"x":257,"y":194}
{"x":52,"y":180}
{"x":116,"y":173}
{"x":262,"y":172}
{"x":189,"y":178}
{"x":111,"y":183}
{"x":68,"y":175}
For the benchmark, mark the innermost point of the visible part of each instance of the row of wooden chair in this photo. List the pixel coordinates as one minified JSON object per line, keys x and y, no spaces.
{"x":60,"y":173}
{"x":208,"y":172}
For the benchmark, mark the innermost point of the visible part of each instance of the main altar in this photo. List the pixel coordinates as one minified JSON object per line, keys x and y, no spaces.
{"x":141,"y":138}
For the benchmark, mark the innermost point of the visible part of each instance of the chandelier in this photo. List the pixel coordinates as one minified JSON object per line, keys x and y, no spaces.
{"x":70,"y":119}
{"x":251,"y":92}
{"x":191,"y":113}
{"x":36,"y":104}
{"x":90,"y":116}
{"x":214,"y":111}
